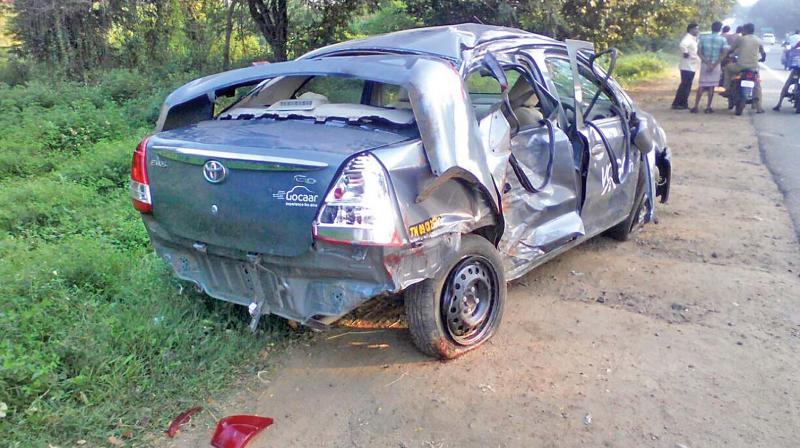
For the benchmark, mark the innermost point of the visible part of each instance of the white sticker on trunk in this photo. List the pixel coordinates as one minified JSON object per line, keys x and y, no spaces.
{"x":298,"y":196}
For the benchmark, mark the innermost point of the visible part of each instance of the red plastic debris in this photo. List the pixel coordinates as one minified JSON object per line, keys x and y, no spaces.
{"x":235,"y":431}
{"x":181,"y":420}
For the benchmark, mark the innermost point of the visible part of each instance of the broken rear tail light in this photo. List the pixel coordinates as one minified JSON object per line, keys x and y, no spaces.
{"x":140,"y":183}
{"x":359,"y":208}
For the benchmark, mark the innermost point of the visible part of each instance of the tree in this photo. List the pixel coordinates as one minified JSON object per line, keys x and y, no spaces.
{"x":314,"y":22}
{"x":226,"y":52}
{"x":67,"y":33}
{"x":782,"y":15}
{"x":606,"y":22}
{"x":272,"y":19}
{"x":448,"y":12}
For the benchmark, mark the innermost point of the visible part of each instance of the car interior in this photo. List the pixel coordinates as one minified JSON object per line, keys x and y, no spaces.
{"x":325,"y":97}
{"x":485,"y":94}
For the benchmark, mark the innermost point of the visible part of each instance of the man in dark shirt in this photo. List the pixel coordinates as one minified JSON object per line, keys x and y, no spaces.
{"x":748,"y":51}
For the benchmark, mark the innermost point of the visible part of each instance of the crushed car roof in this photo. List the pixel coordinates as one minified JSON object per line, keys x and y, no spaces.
{"x":443,"y":41}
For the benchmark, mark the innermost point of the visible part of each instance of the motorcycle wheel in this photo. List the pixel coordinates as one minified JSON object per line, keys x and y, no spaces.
{"x":740,"y":107}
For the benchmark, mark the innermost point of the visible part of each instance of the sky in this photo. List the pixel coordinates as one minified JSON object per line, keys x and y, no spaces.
{"x":748,"y":2}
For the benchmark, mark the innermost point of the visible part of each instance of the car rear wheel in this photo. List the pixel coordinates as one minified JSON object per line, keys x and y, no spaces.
{"x":461,"y":308}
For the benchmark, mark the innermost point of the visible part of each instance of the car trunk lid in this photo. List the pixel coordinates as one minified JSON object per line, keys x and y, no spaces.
{"x":252,"y":185}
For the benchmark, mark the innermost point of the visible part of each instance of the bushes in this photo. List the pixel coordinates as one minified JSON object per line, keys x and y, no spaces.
{"x":122,"y":85}
{"x":98,"y":339}
{"x":39,"y":205}
{"x":641,"y":67}
{"x":104,"y":166}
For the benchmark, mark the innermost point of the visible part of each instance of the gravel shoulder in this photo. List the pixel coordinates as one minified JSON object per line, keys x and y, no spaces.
{"x":688,"y":335}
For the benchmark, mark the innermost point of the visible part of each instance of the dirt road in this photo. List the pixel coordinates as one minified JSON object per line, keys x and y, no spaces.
{"x":688,"y":336}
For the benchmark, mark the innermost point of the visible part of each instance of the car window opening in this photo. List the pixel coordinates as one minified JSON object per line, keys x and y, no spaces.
{"x":486,"y":94}
{"x":326,"y":99}
{"x":561,"y":75}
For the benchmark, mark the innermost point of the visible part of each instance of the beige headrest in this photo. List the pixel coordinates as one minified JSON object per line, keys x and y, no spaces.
{"x":313,"y":96}
{"x":522,"y":94}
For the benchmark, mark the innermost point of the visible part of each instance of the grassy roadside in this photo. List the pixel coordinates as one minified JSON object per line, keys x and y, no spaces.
{"x":98,"y":339}
{"x":639,"y":67}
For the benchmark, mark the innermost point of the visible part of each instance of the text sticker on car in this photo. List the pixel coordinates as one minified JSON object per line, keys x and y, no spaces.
{"x":425,"y":227}
{"x":298,"y":196}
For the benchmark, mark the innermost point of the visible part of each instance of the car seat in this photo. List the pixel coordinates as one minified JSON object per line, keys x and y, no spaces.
{"x":524,"y":103}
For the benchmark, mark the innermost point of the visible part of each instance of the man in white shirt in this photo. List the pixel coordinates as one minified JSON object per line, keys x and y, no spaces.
{"x":690,"y":63}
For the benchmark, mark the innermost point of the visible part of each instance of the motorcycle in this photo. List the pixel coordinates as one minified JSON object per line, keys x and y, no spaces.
{"x":743,"y":90}
{"x":793,"y":92}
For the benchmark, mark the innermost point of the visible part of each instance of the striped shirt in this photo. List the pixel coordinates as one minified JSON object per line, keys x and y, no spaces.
{"x":710,"y":47}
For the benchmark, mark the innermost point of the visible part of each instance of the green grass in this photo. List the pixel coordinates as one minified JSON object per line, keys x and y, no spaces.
{"x":98,"y":339}
{"x":640,"y":67}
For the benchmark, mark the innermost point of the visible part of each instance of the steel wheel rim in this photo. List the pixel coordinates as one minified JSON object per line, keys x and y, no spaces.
{"x":469,"y":300}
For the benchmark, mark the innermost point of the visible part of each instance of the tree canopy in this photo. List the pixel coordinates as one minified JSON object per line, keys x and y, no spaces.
{"x":79,"y":36}
{"x":781,"y":15}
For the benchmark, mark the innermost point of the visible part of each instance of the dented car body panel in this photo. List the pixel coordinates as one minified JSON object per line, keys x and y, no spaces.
{"x":251,"y":203}
{"x":449,"y":131}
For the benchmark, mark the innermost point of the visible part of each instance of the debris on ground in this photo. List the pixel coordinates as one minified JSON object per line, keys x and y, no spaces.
{"x":237,"y":430}
{"x":181,"y":420}
{"x":486,"y":388}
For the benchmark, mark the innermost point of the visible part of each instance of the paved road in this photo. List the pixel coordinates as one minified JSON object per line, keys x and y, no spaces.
{"x":779,"y":136}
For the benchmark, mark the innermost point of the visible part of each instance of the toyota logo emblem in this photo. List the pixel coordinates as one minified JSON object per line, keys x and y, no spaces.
{"x":214,"y":171}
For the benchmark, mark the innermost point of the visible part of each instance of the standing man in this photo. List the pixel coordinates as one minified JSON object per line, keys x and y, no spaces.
{"x":690,"y":63}
{"x":730,"y":37}
{"x":748,"y":51}
{"x":711,"y":51}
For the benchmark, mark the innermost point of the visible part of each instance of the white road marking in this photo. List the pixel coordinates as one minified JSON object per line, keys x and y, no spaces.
{"x":780,"y":77}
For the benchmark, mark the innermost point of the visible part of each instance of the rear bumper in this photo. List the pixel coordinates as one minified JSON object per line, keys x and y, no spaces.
{"x":325,"y":282}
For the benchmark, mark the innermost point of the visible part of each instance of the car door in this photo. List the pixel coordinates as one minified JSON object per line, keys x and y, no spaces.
{"x":540,"y":194}
{"x":601,"y":151}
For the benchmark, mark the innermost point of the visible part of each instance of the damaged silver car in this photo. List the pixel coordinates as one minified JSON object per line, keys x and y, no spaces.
{"x":439,"y":162}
